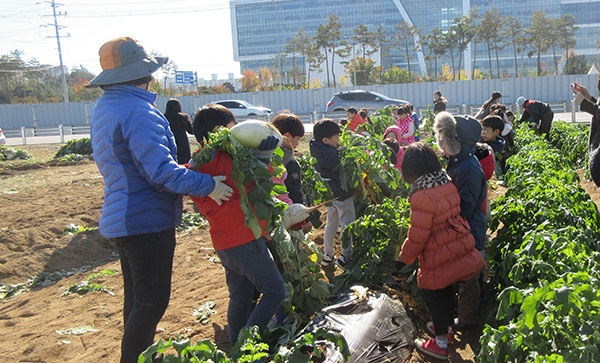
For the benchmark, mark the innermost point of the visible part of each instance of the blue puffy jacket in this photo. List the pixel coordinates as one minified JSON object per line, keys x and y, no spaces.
{"x":135,"y":151}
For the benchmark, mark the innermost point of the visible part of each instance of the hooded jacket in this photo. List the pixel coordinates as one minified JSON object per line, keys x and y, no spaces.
{"x":135,"y":152}
{"x":328,"y":165}
{"x":458,"y":135}
{"x":439,"y":237}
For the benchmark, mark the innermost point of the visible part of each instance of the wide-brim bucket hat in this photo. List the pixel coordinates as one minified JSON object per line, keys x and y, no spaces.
{"x":123,"y":60}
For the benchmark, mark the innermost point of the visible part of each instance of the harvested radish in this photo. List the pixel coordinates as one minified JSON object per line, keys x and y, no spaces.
{"x":298,"y":212}
{"x":250,"y":133}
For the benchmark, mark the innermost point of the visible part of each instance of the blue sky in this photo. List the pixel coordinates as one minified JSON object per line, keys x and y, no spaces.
{"x":195,"y":34}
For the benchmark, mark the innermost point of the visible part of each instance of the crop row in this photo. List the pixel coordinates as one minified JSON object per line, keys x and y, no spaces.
{"x":545,"y":255}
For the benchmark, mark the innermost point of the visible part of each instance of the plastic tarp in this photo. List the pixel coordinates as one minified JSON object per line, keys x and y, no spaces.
{"x":376,"y":327}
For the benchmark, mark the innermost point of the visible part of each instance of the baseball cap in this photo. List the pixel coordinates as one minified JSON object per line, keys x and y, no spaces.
{"x":125,"y":59}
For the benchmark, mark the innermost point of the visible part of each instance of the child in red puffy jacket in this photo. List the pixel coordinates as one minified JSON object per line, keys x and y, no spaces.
{"x":248,"y":263}
{"x":440,"y":238}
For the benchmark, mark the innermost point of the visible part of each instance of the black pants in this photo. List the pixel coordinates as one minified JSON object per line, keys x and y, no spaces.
{"x":441,"y":304}
{"x":147,"y":265}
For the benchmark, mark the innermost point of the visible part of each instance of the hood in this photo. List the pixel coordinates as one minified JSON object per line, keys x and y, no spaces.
{"x":456,"y":134}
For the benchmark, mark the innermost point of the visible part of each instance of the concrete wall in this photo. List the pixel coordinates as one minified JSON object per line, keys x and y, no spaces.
{"x":470,"y":93}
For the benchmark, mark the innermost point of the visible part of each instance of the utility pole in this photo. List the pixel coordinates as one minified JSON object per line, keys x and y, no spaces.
{"x":62,"y":68}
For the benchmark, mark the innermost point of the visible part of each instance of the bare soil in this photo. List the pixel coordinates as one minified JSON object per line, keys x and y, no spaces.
{"x":38,"y":200}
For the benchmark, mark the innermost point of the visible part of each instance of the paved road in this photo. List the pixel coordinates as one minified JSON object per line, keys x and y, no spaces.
{"x":579,"y":117}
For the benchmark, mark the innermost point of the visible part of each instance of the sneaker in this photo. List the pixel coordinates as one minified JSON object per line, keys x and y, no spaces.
{"x":431,"y":330}
{"x":342,"y":262}
{"x":430,"y":348}
{"x":326,"y":260}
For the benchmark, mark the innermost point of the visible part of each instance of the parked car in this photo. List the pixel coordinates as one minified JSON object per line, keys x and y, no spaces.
{"x":360,"y":99}
{"x":243,"y":108}
{"x":2,"y":137}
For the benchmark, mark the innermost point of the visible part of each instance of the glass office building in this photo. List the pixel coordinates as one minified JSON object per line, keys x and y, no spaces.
{"x":262,"y":28}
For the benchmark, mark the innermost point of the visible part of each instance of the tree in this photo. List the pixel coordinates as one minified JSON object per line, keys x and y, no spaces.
{"x":538,"y":37}
{"x":364,"y":39}
{"x":472,"y":29}
{"x":365,"y":70}
{"x":77,"y":79}
{"x":396,"y":75}
{"x":436,"y":45}
{"x":314,"y":58}
{"x":168,"y":70}
{"x":489,"y":31}
{"x":329,"y":39}
{"x":404,"y":38}
{"x":463,"y":37}
{"x":513,"y":33}
{"x":382,"y":46}
{"x":566,"y":34}
{"x":250,"y":81}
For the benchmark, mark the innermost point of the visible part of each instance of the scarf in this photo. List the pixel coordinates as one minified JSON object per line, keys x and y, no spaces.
{"x":430,"y":180}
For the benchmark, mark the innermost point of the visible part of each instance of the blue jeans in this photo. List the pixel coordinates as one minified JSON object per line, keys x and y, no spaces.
{"x":247,"y":267}
{"x":147,"y":266}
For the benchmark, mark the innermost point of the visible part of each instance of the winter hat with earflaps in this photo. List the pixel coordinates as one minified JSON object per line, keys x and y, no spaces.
{"x":456,"y":133}
{"x":123,"y":60}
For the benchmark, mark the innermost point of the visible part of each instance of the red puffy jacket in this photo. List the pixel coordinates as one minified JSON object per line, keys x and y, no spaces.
{"x":227,"y":221}
{"x":441,"y":239}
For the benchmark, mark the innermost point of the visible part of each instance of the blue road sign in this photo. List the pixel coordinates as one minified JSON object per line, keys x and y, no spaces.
{"x":184,"y":77}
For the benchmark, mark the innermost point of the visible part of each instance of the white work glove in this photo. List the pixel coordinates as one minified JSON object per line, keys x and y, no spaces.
{"x":222,"y":191}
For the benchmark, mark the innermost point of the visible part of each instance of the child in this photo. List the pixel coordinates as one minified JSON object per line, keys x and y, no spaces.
{"x":324,"y":148}
{"x":292,"y":129}
{"x":248,"y":263}
{"x":406,"y":125}
{"x":439,"y":237}
{"x":397,"y":152}
{"x":415,"y":117}
{"x":354,"y":119}
{"x":491,"y":128}
{"x":457,"y":136}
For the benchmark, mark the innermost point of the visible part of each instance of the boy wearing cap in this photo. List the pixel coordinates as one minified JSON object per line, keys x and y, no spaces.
{"x":457,"y":137}
{"x":135,"y":151}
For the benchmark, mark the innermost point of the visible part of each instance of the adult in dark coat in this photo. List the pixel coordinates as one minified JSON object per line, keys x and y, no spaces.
{"x":181,"y":125}
{"x":536,"y":112}
{"x":487,"y":105}
{"x":591,"y":105}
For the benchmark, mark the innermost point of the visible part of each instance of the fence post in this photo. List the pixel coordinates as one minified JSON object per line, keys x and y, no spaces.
{"x":23,"y":136}
{"x":61,"y":132}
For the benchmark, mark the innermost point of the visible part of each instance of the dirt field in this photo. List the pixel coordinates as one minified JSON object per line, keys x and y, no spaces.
{"x":37,"y":202}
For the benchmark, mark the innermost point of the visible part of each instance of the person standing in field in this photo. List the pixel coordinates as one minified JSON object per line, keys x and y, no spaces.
{"x":324,"y":147}
{"x":406,"y":125}
{"x":135,"y":151}
{"x":439,"y":102}
{"x":250,"y":269}
{"x":591,"y":105}
{"x":355,"y":120}
{"x":439,"y":237}
{"x":181,"y":126}
{"x":457,"y":137}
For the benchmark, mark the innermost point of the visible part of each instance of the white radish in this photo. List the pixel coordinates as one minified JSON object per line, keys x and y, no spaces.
{"x":297,"y":212}
{"x":250,"y":133}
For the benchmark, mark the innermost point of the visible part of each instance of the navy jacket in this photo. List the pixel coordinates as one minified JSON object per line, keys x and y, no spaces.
{"x":466,"y":173}
{"x":328,"y":165}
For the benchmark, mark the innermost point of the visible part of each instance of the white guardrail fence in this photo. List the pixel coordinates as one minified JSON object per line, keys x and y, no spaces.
{"x":64,"y":133}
